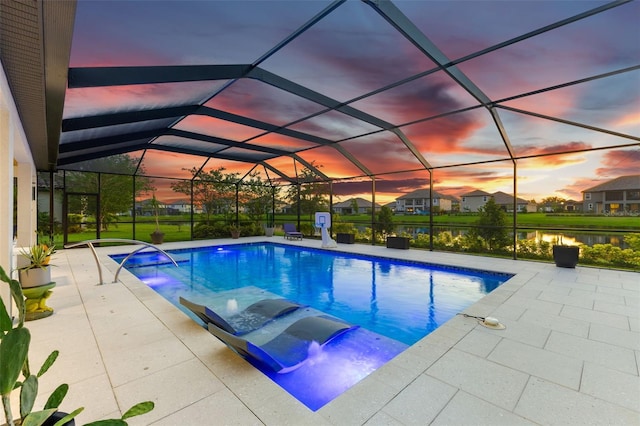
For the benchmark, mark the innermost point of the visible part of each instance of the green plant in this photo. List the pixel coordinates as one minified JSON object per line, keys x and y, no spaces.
{"x":492,"y":226}
{"x":38,"y":256}
{"x":46,"y":238}
{"x":384,"y":221}
{"x":633,"y":240}
{"x":235,"y":230}
{"x":15,"y":339}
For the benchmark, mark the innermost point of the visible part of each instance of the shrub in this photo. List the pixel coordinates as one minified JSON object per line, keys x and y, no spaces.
{"x":384,"y":221}
{"x":421,"y":241}
{"x":492,"y":226}
{"x":532,"y":249}
{"x":307,"y":229}
{"x":74,"y":223}
{"x":343,"y":227}
{"x":204,"y":231}
{"x":633,"y":240}
{"x":609,"y":255}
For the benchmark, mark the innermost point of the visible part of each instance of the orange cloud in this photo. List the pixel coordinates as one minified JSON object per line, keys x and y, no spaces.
{"x":627,"y":120}
{"x":218,"y":128}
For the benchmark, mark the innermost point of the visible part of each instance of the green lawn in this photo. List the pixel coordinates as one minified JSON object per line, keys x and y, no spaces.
{"x":172,"y":232}
{"x":524,"y":220}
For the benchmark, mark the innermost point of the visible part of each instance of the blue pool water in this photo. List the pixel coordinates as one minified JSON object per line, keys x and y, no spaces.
{"x":395,"y":303}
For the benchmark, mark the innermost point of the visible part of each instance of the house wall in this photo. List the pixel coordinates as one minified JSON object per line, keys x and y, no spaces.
{"x":594,"y":199}
{"x":472,"y":204}
{"x":340,"y":210}
{"x":15,"y":162}
{"x":422,"y":204}
{"x":607,"y":201}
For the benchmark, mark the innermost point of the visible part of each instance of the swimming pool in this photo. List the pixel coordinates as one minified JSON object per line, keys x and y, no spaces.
{"x":395,"y":303}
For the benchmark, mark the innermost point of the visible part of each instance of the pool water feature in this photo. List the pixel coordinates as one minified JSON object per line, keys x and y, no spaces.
{"x":396,"y":303}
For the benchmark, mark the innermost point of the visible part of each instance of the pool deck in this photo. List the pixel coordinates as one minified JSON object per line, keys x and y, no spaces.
{"x":570,"y":353}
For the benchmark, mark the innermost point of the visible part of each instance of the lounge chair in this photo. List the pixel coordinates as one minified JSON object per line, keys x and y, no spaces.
{"x":290,"y":232}
{"x":289,"y":349}
{"x":250,"y":319}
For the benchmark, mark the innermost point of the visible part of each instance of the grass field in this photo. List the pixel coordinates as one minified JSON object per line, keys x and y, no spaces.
{"x":523,"y":220}
{"x":177,"y":228}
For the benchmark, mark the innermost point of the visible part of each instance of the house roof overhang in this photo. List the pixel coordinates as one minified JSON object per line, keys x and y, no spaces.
{"x":35,"y":44}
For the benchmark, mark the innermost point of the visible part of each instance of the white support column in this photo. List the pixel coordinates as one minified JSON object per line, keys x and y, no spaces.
{"x":6,"y":189}
{"x":27,"y":205}
{"x":15,"y":161}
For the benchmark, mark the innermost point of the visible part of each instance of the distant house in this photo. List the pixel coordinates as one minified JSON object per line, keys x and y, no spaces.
{"x":565,"y":206}
{"x":143,"y":208}
{"x":417,"y":202}
{"x":505,"y":201}
{"x":180,"y":206}
{"x":347,"y":207}
{"x":572,"y":206}
{"x":391,"y":206}
{"x":473,"y":201}
{"x":619,"y":195}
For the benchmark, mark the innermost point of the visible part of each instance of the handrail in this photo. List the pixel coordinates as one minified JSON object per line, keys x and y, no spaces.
{"x":89,"y":243}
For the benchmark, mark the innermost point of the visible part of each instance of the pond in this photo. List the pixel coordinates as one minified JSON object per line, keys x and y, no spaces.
{"x":568,"y":237}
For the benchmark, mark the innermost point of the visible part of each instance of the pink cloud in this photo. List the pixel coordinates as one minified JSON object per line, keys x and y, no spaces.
{"x":620,"y":163}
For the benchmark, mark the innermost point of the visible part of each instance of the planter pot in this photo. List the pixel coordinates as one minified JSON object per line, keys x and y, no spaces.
{"x":36,"y":301}
{"x":157,"y":237}
{"x":235,"y":234}
{"x":566,"y":256}
{"x":345,"y":238}
{"x":35,"y":277}
{"x":51,"y":421}
{"x":398,"y":242}
{"x":57,"y":416}
{"x":269,"y":230}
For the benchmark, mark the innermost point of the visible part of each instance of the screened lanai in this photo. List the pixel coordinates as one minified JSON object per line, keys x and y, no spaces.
{"x":374,"y":99}
{"x":117,"y":117}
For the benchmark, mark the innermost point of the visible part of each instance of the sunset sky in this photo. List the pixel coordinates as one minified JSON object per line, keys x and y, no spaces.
{"x":352,"y":53}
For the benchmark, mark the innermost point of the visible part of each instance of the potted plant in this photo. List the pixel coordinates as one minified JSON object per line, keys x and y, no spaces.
{"x":565,"y":256}
{"x":270,"y":226}
{"x":157,"y":236}
{"x":234,"y":229}
{"x":35,"y":270}
{"x":14,"y":348}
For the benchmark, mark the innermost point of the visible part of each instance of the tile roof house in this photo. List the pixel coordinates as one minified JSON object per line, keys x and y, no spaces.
{"x":565,"y":206}
{"x":417,"y":202}
{"x":347,"y":207}
{"x":474,"y":200}
{"x":391,"y":206}
{"x":506,"y":201}
{"x":572,"y":206}
{"x":619,"y":195}
{"x":144,"y":208}
{"x":182,"y":206}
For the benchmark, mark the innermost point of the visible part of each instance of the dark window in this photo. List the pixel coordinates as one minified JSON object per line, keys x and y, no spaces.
{"x":633,"y":195}
{"x":613,"y":195}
